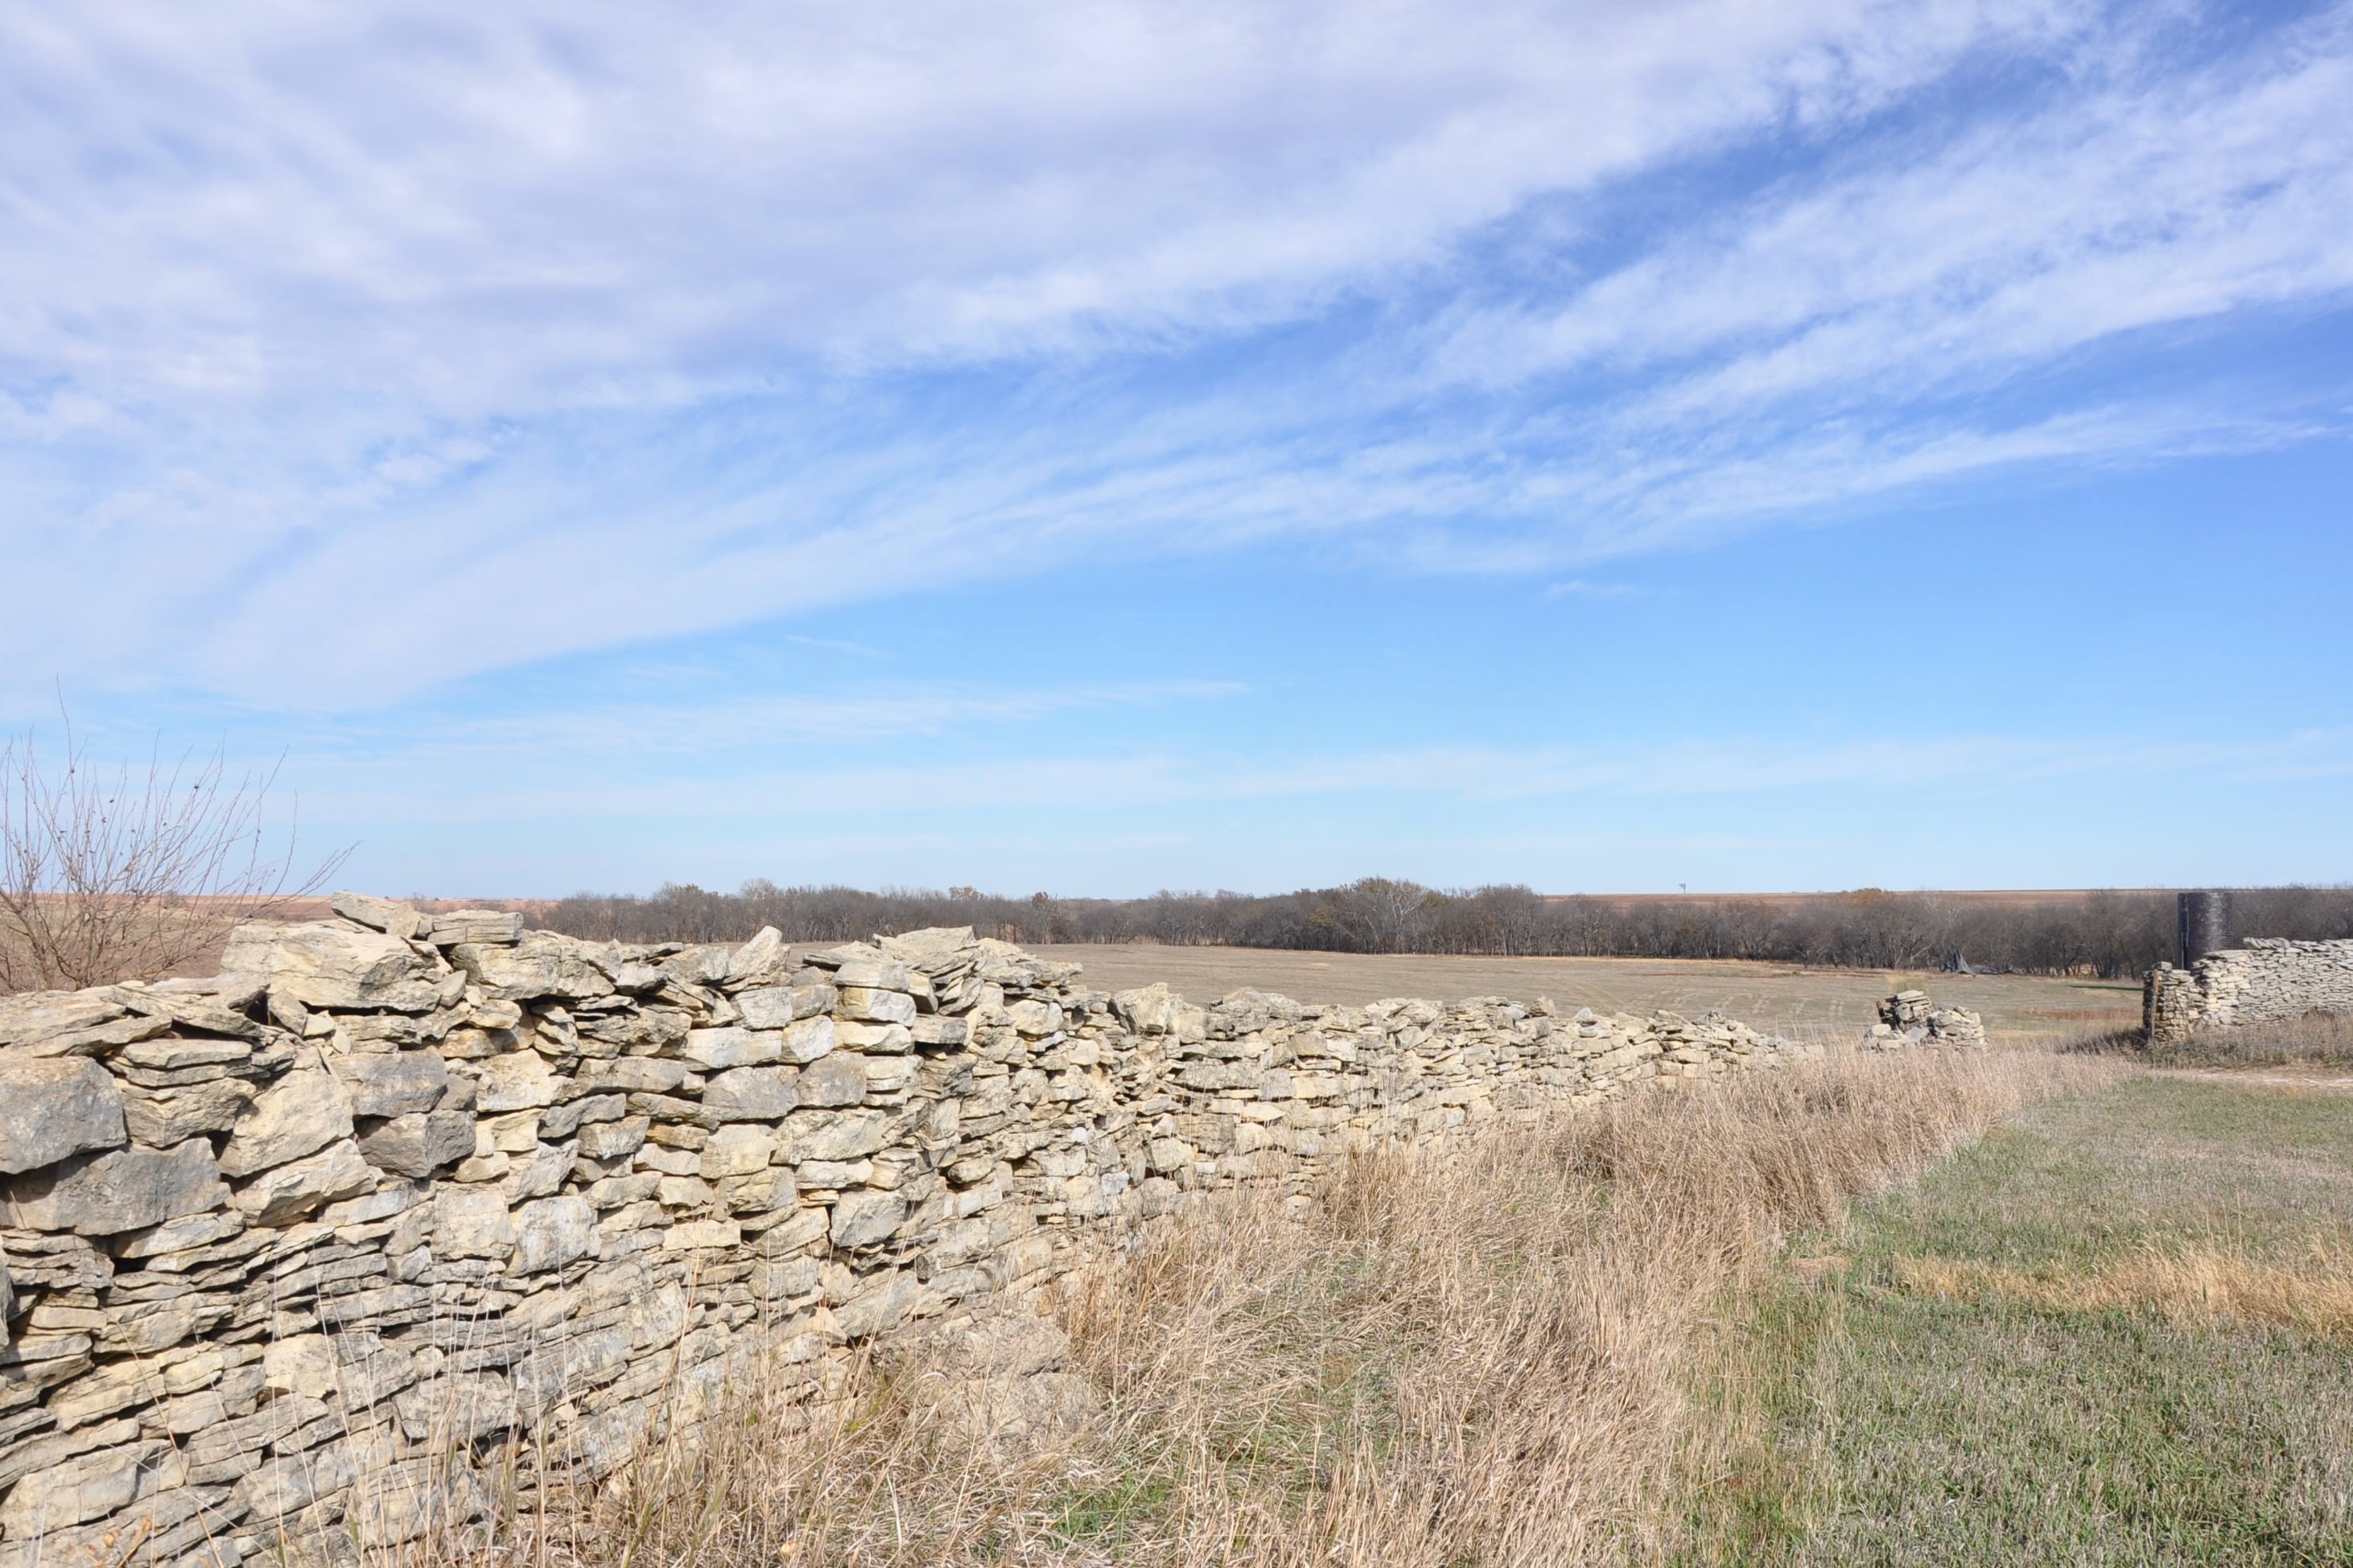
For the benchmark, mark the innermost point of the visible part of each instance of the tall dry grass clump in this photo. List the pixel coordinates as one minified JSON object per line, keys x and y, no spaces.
{"x":1463,"y":1356}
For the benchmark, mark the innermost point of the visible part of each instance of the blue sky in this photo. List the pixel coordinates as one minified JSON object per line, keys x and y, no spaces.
{"x":1100,"y":448}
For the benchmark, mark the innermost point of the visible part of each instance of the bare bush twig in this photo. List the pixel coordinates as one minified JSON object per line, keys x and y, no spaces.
{"x":126,"y":873}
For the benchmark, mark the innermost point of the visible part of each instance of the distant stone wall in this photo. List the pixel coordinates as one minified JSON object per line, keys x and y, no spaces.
{"x":2270,"y":980}
{"x":401,"y":1187}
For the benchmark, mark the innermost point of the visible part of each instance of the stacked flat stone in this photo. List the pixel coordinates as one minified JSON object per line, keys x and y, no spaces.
{"x":2268,"y":980}
{"x":292,"y":1258}
{"x":1910,"y":1018}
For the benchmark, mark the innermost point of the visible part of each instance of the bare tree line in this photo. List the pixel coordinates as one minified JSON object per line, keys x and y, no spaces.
{"x":2112,"y":934}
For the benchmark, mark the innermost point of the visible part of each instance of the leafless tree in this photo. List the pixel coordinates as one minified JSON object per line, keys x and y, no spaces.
{"x":127,"y":872}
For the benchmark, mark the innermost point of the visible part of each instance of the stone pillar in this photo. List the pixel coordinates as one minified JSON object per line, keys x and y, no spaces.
{"x":2202,"y":925}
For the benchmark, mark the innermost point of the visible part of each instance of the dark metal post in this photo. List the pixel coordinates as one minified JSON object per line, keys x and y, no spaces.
{"x":2203,"y":925}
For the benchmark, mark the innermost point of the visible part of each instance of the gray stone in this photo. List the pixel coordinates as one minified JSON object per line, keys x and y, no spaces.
{"x":472,"y":1222}
{"x":336,"y":965}
{"x":863,"y":1217}
{"x":90,"y":1486}
{"x":391,"y":1083}
{"x":402,"y":921}
{"x":301,"y":1113}
{"x":875,"y":1006}
{"x":36,"y":1016}
{"x":552,"y":1233}
{"x":851,"y":1137}
{"x":475,"y":927}
{"x":611,"y":1139}
{"x":778,"y":1007}
{"x":284,"y":1194}
{"x":759,"y":962}
{"x":540,"y":965}
{"x":124,"y":1189}
{"x":54,"y":1106}
{"x":751,"y":1094}
{"x":518,"y":1081}
{"x":733,"y":1046}
{"x":838,"y":1079}
{"x":414,"y":1146}
{"x":160,"y":1118}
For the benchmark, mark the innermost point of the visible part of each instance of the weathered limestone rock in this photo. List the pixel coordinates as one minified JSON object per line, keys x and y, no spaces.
{"x":552,"y":1233}
{"x":538,"y":966}
{"x":863,"y":1217}
{"x":472,"y":1222}
{"x":124,"y":1189}
{"x":391,"y":1083}
{"x":51,"y":1107}
{"x":302,"y":1112}
{"x":835,"y":1080}
{"x":333,"y":965}
{"x":284,"y":1194}
{"x":160,"y":1118}
{"x":751,"y":1094}
{"x":37,"y":1017}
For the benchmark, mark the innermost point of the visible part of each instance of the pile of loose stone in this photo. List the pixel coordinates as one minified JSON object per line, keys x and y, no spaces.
{"x":290,"y":1257}
{"x":1909,"y":1018}
{"x":2267,"y":980}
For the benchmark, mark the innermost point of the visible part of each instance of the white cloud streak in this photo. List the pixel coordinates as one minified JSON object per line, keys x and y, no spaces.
{"x":450,"y":339}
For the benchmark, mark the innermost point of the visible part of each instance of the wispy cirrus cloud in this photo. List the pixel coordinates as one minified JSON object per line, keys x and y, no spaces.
{"x":487,"y":336}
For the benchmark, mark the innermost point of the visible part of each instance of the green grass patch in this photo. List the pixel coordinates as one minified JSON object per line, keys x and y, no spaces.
{"x":1857,"y":1419}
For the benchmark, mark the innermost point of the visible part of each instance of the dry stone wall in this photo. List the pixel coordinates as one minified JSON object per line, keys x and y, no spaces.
{"x":2270,"y":980}
{"x":398,"y":1187}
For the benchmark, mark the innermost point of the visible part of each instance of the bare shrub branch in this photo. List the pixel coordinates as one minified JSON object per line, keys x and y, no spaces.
{"x":127,"y":872}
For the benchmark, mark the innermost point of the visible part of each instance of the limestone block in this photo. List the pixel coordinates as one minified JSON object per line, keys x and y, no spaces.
{"x":737,"y":1151}
{"x":781,"y":1007}
{"x":629,"y":1075}
{"x":35,"y":1018}
{"x":54,"y":1106}
{"x":850,"y":1136}
{"x":90,"y":1486}
{"x":160,"y":1118}
{"x":541,"y":965}
{"x":863,"y":1217}
{"x":888,"y":1074}
{"x":751,"y":1094}
{"x":472,"y":1222}
{"x":851,"y":1034}
{"x":336,"y":965}
{"x":300,"y":1364}
{"x":873,"y":973}
{"x":703,"y":1234}
{"x":607,"y":1141}
{"x":474,"y":928}
{"x":759,"y":962}
{"x":519,"y":1080}
{"x":875,"y":1007}
{"x":835,"y":1080}
{"x":884,"y":1303}
{"x":456,"y":1408}
{"x":733,"y":1046}
{"x":402,"y":921}
{"x":124,"y":1189}
{"x":418,"y":1146}
{"x":395,"y":1083}
{"x":286,"y":1192}
{"x":552,"y":1232}
{"x":933,"y":1030}
{"x":302,"y":1112}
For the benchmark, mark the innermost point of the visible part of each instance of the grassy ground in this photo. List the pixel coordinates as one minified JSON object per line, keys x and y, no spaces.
{"x":2118,"y":1330}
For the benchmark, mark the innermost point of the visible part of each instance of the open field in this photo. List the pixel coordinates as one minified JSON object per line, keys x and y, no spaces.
{"x":1801,"y":1002}
{"x":2118,"y":1330}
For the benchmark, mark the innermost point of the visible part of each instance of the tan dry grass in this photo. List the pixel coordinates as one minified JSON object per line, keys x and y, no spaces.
{"x":1465,"y":1357}
{"x":2197,"y":1286}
